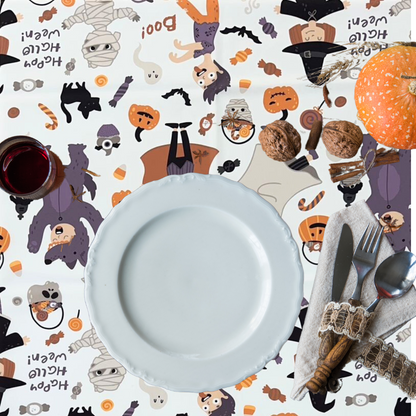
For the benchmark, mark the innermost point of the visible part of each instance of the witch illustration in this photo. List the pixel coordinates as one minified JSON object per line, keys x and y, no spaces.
{"x":209,"y":75}
{"x":7,"y":367}
{"x":7,"y":17}
{"x":312,"y":41}
{"x":179,"y":165}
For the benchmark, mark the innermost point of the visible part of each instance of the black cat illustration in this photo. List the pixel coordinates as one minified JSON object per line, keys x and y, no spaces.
{"x":79,"y":94}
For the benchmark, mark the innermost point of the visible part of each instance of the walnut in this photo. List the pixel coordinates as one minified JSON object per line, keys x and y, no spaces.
{"x":280,"y":141}
{"x":342,"y":138}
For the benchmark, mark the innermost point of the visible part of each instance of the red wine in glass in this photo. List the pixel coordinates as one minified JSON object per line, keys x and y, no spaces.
{"x":27,"y":168}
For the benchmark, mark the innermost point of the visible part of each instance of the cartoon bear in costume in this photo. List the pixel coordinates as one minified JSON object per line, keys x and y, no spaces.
{"x":63,"y":209}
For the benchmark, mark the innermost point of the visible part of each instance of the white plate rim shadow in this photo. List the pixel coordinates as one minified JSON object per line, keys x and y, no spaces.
{"x":270,"y":270}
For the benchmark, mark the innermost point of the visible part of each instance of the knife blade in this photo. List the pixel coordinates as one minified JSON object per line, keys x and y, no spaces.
{"x":342,"y":266}
{"x":343,"y":261}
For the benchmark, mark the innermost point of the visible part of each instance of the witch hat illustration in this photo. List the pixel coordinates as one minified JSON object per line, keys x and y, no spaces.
{"x":4,"y":58}
{"x":5,"y":384}
{"x":313,"y":55}
{"x":7,"y":17}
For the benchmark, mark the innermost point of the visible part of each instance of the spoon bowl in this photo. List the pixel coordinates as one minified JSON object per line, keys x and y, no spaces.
{"x":394,"y":277}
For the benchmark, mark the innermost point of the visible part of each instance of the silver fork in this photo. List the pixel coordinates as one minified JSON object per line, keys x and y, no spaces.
{"x":364,"y":258}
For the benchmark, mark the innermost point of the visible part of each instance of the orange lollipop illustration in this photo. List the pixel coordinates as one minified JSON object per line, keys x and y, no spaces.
{"x":75,"y":324}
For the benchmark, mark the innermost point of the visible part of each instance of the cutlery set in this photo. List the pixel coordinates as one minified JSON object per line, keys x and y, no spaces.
{"x":394,"y":277}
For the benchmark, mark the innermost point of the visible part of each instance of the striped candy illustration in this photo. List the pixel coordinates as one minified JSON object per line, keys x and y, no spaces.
{"x":313,"y":204}
{"x":121,"y":91}
{"x":51,"y":115}
{"x":241,"y":56}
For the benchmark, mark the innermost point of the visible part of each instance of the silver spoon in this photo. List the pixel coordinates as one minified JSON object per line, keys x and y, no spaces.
{"x":394,"y":277}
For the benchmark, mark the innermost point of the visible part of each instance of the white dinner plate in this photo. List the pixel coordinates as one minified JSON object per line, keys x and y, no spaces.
{"x":193,"y":283}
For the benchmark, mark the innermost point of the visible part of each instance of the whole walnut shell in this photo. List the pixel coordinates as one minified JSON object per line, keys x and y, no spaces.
{"x":280,"y":141}
{"x":342,"y":138}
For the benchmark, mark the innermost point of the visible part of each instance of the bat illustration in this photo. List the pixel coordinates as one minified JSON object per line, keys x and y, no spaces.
{"x":241,"y":31}
{"x":179,"y":91}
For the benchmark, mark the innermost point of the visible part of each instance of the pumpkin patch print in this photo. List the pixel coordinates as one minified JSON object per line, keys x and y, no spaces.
{"x":310,"y":104}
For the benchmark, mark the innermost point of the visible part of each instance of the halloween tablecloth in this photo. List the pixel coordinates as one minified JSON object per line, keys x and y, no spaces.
{"x":97,"y":81}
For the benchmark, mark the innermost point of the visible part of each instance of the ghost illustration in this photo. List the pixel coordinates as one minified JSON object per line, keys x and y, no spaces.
{"x":152,"y":71}
{"x":274,"y":181}
{"x":158,"y":396}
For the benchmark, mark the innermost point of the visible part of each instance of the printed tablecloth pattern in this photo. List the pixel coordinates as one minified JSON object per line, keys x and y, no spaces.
{"x":97,"y":81}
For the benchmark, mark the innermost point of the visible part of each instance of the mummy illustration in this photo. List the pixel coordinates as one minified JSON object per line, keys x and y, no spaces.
{"x":152,"y":71}
{"x":121,"y":91}
{"x":400,"y":6}
{"x":237,"y":119}
{"x":105,"y":373}
{"x":27,"y":85}
{"x":101,"y":46}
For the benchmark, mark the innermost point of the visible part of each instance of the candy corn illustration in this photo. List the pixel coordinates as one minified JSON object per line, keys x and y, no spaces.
{"x":244,"y":85}
{"x":120,"y":172}
{"x":16,"y":267}
{"x":241,"y":56}
{"x":249,"y":410}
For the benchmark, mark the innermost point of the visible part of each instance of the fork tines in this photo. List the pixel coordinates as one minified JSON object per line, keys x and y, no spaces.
{"x":371,"y":246}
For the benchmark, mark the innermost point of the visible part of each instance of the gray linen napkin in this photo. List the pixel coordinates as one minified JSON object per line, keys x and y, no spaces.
{"x":390,"y":315}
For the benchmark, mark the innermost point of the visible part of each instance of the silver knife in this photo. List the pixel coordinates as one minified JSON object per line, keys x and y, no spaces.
{"x":342,"y":266}
{"x":342,"y":262}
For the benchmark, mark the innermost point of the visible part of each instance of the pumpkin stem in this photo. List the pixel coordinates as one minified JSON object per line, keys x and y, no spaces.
{"x":412,"y":87}
{"x":285,"y":113}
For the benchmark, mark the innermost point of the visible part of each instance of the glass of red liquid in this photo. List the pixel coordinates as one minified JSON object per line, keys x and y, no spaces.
{"x":27,"y":168}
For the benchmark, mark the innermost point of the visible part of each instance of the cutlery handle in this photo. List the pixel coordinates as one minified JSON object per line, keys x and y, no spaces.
{"x":327,"y":342}
{"x":335,"y":356}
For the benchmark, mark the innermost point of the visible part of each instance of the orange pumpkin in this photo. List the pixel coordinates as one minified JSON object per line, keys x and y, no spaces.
{"x":385,"y":96}
{"x":143,"y":117}
{"x":313,"y":229}
{"x":4,"y":240}
{"x":118,"y":197}
{"x":312,"y":232}
{"x":282,"y":99}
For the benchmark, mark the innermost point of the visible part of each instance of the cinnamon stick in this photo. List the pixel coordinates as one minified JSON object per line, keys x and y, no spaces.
{"x":346,"y":170}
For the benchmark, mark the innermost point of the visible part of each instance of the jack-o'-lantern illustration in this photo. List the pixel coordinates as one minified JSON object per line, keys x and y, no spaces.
{"x":280,"y":99}
{"x":311,"y":232}
{"x":143,"y":117}
{"x":119,"y":196}
{"x":4,"y":244}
